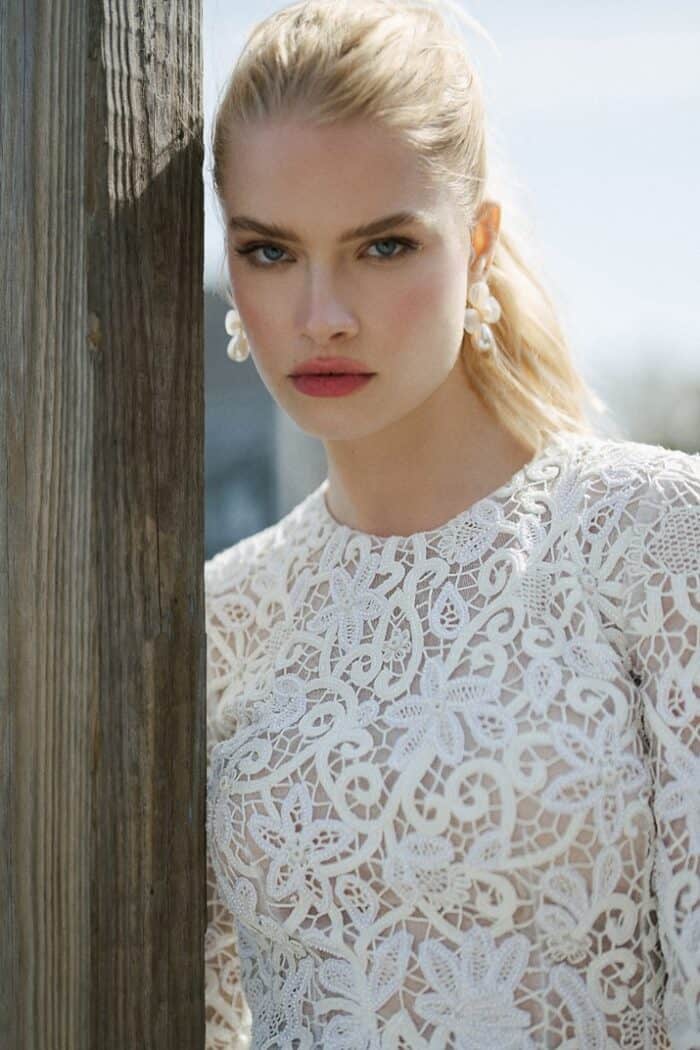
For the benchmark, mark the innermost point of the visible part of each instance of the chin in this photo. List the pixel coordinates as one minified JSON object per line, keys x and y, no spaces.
{"x":336,"y":428}
{"x":330,"y":433}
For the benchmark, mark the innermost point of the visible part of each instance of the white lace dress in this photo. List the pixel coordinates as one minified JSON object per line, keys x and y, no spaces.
{"x":453,"y":795}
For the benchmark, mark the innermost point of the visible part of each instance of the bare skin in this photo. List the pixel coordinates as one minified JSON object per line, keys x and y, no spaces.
{"x":415,"y":446}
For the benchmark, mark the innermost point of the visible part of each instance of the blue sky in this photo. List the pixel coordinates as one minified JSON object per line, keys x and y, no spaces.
{"x":597,"y":109}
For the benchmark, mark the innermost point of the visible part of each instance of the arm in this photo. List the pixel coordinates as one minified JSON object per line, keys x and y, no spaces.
{"x":662,"y":627}
{"x":227,"y":1015}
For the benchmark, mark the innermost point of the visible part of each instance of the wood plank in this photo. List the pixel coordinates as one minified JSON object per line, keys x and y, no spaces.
{"x":102,"y":644}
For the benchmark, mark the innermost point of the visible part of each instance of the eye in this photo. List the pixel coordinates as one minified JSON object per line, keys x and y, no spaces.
{"x":252,"y":248}
{"x":403,"y":243}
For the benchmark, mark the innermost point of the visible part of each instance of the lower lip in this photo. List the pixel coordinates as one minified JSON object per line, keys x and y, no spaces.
{"x":330,"y":386}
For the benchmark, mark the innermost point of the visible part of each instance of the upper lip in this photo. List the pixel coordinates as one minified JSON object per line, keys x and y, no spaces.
{"x":324,"y":365}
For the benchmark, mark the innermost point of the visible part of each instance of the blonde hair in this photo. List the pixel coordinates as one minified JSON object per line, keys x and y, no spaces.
{"x":400,"y":63}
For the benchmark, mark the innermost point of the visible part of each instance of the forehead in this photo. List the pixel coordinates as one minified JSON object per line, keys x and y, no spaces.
{"x":299,"y":173}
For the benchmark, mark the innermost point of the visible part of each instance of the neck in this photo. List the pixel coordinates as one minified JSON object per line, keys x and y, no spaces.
{"x":425,"y":468}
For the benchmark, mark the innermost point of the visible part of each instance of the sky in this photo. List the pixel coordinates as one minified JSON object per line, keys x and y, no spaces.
{"x":596,"y":109}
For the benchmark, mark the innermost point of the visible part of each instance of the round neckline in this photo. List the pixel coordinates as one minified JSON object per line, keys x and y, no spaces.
{"x":497,"y":495}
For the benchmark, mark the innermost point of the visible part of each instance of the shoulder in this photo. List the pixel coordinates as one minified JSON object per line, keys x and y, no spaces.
{"x":248,"y":589}
{"x":643,"y":476}
{"x":228,"y":568}
{"x":610,"y":454}
{"x":259,"y":560}
{"x":627,"y":503}
{"x":631,"y":512}
{"x":651,"y":529}
{"x":238,"y":581}
{"x":234,"y":582}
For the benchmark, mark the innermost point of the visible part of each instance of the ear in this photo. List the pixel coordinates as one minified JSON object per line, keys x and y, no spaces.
{"x":485,"y":234}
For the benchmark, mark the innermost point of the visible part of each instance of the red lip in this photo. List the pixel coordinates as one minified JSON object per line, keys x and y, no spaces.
{"x":325,"y":365}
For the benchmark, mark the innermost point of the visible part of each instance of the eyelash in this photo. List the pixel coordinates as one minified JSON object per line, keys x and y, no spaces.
{"x":405,"y":242}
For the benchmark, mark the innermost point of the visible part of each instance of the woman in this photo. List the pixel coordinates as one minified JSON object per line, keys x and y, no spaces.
{"x":452,"y":695}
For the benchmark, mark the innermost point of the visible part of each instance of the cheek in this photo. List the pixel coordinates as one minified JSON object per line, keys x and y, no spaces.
{"x":259,"y":322}
{"x":262,"y":321}
{"x":422,"y":309}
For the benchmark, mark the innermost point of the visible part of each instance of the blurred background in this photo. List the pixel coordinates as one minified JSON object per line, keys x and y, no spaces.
{"x":596,"y":110}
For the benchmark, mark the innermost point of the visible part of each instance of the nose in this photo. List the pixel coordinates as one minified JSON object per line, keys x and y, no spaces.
{"x":325,"y":316}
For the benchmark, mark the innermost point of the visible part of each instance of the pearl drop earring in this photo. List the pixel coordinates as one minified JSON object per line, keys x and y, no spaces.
{"x":238,"y":347}
{"x":485,"y":310}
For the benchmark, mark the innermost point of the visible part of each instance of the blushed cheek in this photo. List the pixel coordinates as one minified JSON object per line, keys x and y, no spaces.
{"x":419,"y":307}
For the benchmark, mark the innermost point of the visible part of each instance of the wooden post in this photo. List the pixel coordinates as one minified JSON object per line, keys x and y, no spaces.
{"x":102,"y":644}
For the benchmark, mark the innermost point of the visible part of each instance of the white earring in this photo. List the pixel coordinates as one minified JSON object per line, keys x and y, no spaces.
{"x":485,"y":310}
{"x":238,"y":347}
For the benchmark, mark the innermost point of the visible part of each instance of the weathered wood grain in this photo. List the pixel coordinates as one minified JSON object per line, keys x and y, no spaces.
{"x":102,"y":645}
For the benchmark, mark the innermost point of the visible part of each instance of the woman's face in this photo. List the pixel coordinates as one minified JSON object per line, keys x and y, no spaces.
{"x":393,"y":301}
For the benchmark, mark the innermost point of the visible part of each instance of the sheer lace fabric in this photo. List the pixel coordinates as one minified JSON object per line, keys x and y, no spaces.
{"x":454,"y":778}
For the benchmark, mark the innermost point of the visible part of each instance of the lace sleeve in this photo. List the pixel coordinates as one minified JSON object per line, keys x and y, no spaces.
{"x":227,"y":1014}
{"x":662,"y":623}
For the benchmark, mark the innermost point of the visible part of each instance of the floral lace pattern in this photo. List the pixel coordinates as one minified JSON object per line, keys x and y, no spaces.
{"x":453,"y":791}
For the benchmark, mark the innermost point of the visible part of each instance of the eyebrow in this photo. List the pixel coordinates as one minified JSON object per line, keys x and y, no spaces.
{"x":399,"y":218}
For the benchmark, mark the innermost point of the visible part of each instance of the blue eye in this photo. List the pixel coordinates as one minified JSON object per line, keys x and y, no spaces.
{"x":390,"y":240}
{"x":259,"y":248}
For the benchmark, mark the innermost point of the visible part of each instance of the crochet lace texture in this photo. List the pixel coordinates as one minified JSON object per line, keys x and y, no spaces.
{"x":453,"y":790}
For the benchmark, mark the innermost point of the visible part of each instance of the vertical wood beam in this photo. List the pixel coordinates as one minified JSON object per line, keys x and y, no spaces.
{"x":102,"y":644}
